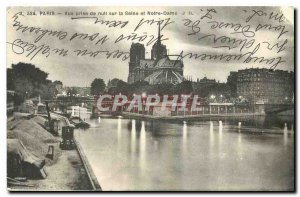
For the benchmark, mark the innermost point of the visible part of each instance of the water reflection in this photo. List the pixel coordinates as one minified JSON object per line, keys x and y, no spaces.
{"x":184,"y":136}
{"x":285,"y":134}
{"x":259,"y":122}
{"x":155,"y":145}
{"x":211,"y":139}
{"x":119,"y":131}
{"x":133,"y":140}
{"x":220,"y":153}
{"x":211,"y":133}
{"x":220,"y":132}
{"x":142,"y":155}
{"x":239,"y":147}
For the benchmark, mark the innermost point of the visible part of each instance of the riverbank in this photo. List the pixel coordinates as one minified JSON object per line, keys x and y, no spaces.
{"x":67,"y":170}
{"x":189,"y":117}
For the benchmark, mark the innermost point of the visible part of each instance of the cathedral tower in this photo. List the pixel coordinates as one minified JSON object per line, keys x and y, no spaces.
{"x":137,"y":53}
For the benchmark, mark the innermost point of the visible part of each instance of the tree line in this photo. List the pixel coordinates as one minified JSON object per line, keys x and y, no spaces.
{"x":28,"y":81}
{"x":117,"y":86}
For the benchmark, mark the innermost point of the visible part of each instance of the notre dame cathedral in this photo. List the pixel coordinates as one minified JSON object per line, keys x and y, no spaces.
{"x":159,"y":69}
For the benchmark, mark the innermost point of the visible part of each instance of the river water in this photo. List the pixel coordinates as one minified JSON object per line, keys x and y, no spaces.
{"x":255,"y":153}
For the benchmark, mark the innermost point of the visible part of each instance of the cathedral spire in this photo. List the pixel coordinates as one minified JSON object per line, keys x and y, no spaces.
{"x":158,"y":49}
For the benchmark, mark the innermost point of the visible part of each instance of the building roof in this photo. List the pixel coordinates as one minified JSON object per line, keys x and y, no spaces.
{"x":164,"y":76}
{"x":167,"y":63}
{"x":147,"y":63}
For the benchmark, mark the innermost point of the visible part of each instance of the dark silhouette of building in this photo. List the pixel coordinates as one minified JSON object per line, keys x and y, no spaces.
{"x":232,"y":83}
{"x":261,"y":85}
{"x":206,"y":81}
{"x":159,"y":69}
{"x":206,"y":87}
{"x":203,"y":83}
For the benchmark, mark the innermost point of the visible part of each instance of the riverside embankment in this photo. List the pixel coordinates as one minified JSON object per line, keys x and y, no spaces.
{"x":67,"y":171}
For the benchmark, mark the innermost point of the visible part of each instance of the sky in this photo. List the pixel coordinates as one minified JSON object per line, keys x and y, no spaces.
{"x":81,"y":71}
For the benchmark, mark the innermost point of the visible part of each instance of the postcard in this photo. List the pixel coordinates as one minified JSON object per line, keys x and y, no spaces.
{"x":150,"y":99}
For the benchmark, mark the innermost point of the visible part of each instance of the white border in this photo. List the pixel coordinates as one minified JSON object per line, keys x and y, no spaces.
{"x":7,"y":3}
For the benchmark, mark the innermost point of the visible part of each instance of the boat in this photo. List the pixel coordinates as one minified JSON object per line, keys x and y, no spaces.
{"x":79,"y":123}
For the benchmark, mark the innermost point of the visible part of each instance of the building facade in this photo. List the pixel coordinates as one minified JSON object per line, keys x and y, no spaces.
{"x":261,"y":85}
{"x":203,"y":83}
{"x":156,"y":70}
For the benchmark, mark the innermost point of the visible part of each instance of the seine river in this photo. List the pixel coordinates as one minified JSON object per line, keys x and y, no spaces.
{"x":254,"y":153}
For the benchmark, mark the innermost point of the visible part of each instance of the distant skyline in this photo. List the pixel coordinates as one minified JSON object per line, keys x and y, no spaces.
{"x":81,"y":71}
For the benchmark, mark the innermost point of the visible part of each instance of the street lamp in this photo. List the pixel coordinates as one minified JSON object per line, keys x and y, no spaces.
{"x":221,"y":96}
{"x":212,"y":96}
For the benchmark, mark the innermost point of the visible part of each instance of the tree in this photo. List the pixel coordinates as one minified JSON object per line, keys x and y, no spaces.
{"x":72,"y":92}
{"x":139,"y":87}
{"x":29,"y":81}
{"x":163,"y":88}
{"x":185,"y":87}
{"x":121,"y":87}
{"x":56,"y":82}
{"x":10,"y":79}
{"x":58,"y":87}
{"x":97,"y":86}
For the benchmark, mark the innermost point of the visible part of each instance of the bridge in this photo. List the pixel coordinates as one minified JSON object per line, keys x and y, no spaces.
{"x":211,"y":108}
